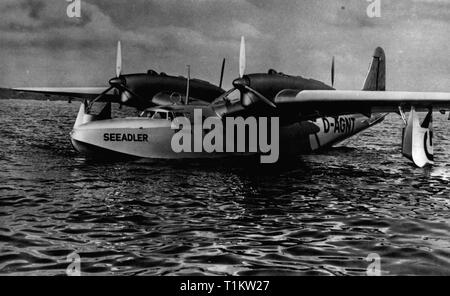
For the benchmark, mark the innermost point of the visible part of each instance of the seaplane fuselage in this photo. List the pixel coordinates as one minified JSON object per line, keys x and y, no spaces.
{"x":151,"y":135}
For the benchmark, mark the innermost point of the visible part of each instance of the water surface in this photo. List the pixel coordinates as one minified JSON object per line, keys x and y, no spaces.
{"x":320,"y":214}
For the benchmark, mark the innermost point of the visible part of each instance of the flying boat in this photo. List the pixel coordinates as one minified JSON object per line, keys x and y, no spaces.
{"x":312,"y":115}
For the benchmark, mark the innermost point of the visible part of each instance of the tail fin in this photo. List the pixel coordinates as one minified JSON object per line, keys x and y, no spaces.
{"x":376,"y":78}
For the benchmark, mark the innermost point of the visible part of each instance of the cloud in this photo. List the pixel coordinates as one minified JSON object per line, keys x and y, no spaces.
{"x":296,"y":37}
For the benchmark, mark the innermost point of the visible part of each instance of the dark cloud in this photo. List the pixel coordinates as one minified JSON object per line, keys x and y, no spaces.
{"x":34,"y":7}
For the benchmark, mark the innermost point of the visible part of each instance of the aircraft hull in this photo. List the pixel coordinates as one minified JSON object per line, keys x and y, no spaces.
{"x":151,"y":138}
{"x":134,"y":137}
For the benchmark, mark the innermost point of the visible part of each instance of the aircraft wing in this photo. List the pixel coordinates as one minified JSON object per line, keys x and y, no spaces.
{"x":73,"y":92}
{"x":417,"y":143}
{"x":341,"y":102}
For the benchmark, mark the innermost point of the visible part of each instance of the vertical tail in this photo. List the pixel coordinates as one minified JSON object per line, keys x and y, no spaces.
{"x":376,"y":78}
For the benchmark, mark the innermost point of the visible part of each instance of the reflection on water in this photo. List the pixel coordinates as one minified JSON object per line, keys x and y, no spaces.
{"x":319,"y":214}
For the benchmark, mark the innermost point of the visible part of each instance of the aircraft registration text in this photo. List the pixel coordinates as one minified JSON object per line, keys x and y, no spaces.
{"x":339,"y":125}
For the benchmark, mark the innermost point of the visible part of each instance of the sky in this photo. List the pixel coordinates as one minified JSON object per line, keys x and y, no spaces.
{"x":41,"y":46}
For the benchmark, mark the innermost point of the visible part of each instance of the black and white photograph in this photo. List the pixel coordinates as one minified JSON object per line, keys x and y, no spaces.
{"x":242,"y":139}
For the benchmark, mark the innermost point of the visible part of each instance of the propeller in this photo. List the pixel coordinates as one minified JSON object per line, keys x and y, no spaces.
{"x":119,"y":60}
{"x":221,"y":73}
{"x":242,"y":60}
{"x":126,"y":93}
{"x":242,"y":84}
{"x":118,"y":83}
{"x":332,"y":72}
{"x":188,"y":80}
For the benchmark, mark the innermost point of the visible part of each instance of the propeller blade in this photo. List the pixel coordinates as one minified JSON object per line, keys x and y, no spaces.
{"x":332,"y":72}
{"x":89,"y":105}
{"x":188,"y":84}
{"x":242,"y":58}
{"x":221,"y":73}
{"x":116,"y":92}
{"x":103,"y":93}
{"x":125,"y":89}
{"x":224,"y":95}
{"x":261,"y":97}
{"x":124,"y":96}
{"x":119,"y":60}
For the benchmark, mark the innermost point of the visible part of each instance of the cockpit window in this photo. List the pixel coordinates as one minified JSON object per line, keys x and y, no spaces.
{"x":160,"y":114}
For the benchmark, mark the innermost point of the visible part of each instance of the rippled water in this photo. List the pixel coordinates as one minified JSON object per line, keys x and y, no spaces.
{"x":319,"y":215}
